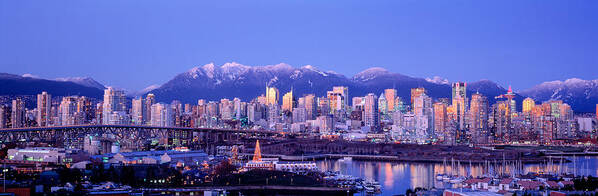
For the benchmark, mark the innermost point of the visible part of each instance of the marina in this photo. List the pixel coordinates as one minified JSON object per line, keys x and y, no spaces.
{"x":398,"y":177}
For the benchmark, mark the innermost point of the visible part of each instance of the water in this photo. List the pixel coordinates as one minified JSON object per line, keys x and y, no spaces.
{"x":396,"y":178}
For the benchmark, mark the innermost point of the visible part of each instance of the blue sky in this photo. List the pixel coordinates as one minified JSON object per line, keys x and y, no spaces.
{"x":134,"y":44}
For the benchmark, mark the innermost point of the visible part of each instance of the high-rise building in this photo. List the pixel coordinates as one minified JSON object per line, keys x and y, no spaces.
{"x":459,"y":89}
{"x":5,"y":113}
{"x":17,"y":116}
{"x":382,"y":104}
{"x":391,"y":95}
{"x":85,"y":111}
{"x":478,"y":119}
{"x":311,"y":107}
{"x":114,"y":107}
{"x":226,"y":109}
{"x":150,"y":100}
{"x":239,"y":108}
{"x":357,"y":103}
{"x":416,"y":92}
{"x":272,"y":95}
{"x":162,"y":115}
{"x":138,"y":111}
{"x":338,"y":98}
{"x":44,"y":107}
{"x":528,"y":105}
{"x":323,"y":106}
{"x":371,"y":116}
{"x":287,"y":101}
{"x":424,"y":116}
{"x":440,"y":117}
{"x":299,"y":115}
{"x":459,"y":104}
{"x":68,"y":110}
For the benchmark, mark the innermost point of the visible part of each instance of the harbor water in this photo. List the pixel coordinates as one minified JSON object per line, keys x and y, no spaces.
{"x":397,"y":177}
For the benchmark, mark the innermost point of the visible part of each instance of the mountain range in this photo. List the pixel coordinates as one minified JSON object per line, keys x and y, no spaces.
{"x":11,"y":84}
{"x":213,"y":82}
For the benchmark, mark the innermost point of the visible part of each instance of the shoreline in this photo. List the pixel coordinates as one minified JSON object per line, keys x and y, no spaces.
{"x":386,"y":158}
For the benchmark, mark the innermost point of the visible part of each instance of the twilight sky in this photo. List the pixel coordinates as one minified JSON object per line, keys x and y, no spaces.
{"x":133,"y":44}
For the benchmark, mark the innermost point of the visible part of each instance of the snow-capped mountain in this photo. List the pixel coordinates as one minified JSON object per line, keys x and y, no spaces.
{"x":85,"y":81}
{"x":11,"y":84}
{"x":231,"y":80}
{"x":582,"y":95}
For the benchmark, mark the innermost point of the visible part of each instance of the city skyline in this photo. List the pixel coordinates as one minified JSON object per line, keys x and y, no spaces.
{"x":461,"y":42}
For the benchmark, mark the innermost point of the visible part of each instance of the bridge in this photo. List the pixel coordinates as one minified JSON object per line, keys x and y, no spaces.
{"x":134,"y":137}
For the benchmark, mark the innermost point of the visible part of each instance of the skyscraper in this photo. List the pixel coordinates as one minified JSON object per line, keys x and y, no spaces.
{"x":338,"y":98}
{"x":272,"y":95}
{"x":162,"y":115}
{"x":44,"y":106}
{"x":382,"y":104}
{"x":391,"y":95}
{"x":287,"y":101}
{"x":138,"y":111}
{"x":310,"y":106}
{"x":67,"y":110}
{"x":459,"y":103}
{"x":440,"y":117}
{"x":114,"y":107}
{"x":150,"y":100}
{"x":18,"y":113}
{"x":370,"y":113}
{"x":5,"y":113}
{"x":478,"y":120}
{"x":416,"y":92}
{"x":459,"y":89}
{"x":528,"y":105}
{"x":424,"y":116}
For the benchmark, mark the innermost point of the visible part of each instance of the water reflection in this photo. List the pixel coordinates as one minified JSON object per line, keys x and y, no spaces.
{"x":396,"y":178}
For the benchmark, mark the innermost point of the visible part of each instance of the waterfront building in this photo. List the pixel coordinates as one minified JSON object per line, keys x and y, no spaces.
{"x":257,"y":162}
{"x":44,"y":107}
{"x":17,"y":116}
{"x":183,"y":156}
{"x":47,"y":154}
